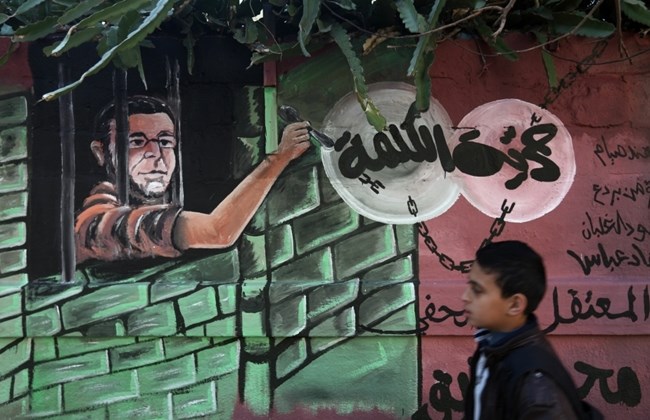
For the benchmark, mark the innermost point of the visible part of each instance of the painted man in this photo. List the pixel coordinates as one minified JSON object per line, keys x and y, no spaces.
{"x":151,"y":225}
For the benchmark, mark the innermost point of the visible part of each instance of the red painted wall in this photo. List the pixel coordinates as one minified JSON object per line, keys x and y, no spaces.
{"x":601,"y":312}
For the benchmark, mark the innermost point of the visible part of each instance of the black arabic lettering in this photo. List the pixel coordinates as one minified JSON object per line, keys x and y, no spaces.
{"x":629,"y":389}
{"x":440,"y":396}
{"x":604,"y":225}
{"x":621,"y":151}
{"x":637,"y":257}
{"x":600,"y":309}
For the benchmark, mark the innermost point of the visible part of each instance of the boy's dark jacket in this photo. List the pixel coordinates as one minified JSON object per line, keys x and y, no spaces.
{"x":515,"y":389}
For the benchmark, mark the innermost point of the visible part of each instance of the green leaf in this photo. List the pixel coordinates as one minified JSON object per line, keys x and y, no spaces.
{"x":423,"y":80}
{"x":565,"y":22}
{"x":310,"y":10}
{"x":126,"y":24}
{"x":3,"y":18}
{"x":36,"y":30}
{"x":188,"y":43}
{"x":498,"y":44}
{"x":344,"y":4}
{"x":424,"y":42}
{"x":413,"y":21}
{"x":78,"y":11}
{"x":112,"y":13}
{"x":373,"y":115}
{"x":26,"y":6}
{"x":248,"y":34}
{"x":155,"y":18}
{"x":636,"y":10}
{"x":547,"y":59}
{"x":71,"y":41}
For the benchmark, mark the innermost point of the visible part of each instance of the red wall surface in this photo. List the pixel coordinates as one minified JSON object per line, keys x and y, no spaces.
{"x":598,"y":314}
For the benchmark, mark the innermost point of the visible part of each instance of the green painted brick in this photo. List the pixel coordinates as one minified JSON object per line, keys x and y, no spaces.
{"x":47,"y":401}
{"x":156,"y":320}
{"x":44,"y":323}
{"x":328,"y":192}
{"x":13,"y":283}
{"x":70,"y":369}
{"x":257,"y":389}
{"x":384,"y":302}
{"x":198,"y":307}
{"x":247,"y":154}
{"x":320,"y":344}
{"x":13,"y":110}
{"x":394,"y":272}
{"x":342,"y":324}
{"x":257,"y":225}
{"x":12,"y":327}
{"x":227,"y":395}
{"x":12,"y":206}
{"x":253,"y":324}
{"x":16,"y":409}
{"x":200,"y":400}
{"x":157,"y":406}
{"x":45,"y":293}
{"x":228,"y":297}
{"x":12,"y":234}
{"x":70,"y":345}
{"x":279,"y":245}
{"x":225,"y":327}
{"x":219,"y":268}
{"x":280,"y":291}
{"x":165,"y":289}
{"x":217,"y":360}
{"x":136,"y":355}
{"x":96,"y":414}
{"x":5,"y":390}
{"x":293,"y":194}
{"x":180,"y":346}
{"x":13,"y":144}
{"x":330,"y":297}
{"x":405,"y":319}
{"x":322,"y":227}
{"x":168,"y":375}
{"x":106,"y":302}
{"x":100,"y":390}
{"x":21,"y":383}
{"x":252,"y":255}
{"x":364,"y":250}
{"x":407,"y":240}
{"x":314,"y":266}
{"x":111,"y":328}
{"x":290,"y":318}
{"x":10,"y":305}
{"x":292,"y":357}
{"x":13,"y":176}
{"x":11,"y":261}
{"x":198,"y":331}
{"x":44,"y":349}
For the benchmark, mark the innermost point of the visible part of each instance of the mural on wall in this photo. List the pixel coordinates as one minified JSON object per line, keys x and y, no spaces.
{"x":331,"y":288}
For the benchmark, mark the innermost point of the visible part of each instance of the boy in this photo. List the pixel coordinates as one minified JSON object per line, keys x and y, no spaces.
{"x":514,"y":373}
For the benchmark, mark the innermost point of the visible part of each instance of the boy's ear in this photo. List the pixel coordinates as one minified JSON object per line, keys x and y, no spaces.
{"x":518,"y":304}
{"x":97,"y":148}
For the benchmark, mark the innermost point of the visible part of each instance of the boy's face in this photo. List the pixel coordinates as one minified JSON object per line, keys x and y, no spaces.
{"x":484,"y":305}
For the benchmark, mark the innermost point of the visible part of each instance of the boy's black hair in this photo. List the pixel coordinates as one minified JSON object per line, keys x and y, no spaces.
{"x":519,"y":269}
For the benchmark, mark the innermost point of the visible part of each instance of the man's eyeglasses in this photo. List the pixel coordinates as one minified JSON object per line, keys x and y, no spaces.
{"x":164,"y":141}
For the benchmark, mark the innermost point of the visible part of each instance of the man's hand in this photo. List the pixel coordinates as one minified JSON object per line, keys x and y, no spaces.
{"x":295,"y":140}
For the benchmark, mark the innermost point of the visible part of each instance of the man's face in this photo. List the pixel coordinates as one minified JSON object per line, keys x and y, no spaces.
{"x":484,"y":305}
{"x":152,"y":157}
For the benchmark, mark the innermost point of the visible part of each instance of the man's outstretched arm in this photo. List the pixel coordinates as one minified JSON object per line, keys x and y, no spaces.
{"x":222,"y":227}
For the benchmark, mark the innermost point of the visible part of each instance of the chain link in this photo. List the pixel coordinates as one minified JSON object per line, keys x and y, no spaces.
{"x":570,"y":77}
{"x":446,"y":261}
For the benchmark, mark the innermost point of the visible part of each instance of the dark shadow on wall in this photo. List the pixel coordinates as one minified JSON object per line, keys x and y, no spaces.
{"x":208,"y":120}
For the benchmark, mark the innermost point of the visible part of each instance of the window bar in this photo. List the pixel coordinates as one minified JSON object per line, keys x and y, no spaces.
{"x":174,"y":101}
{"x":67,"y":134}
{"x":121,"y":135}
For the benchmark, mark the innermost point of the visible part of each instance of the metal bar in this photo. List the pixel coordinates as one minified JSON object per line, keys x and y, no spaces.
{"x":67,"y":134}
{"x":174,"y":102}
{"x":121,"y":135}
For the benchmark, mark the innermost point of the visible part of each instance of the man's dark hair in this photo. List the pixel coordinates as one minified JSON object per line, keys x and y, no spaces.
{"x":518,"y":269}
{"x":137,"y":104}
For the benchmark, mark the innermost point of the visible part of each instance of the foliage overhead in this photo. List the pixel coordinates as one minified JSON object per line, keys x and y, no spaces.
{"x":276,"y":29}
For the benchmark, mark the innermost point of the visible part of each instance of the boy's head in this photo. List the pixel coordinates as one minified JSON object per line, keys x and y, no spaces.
{"x":506,"y":283}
